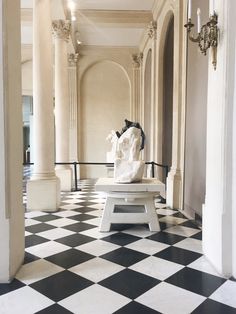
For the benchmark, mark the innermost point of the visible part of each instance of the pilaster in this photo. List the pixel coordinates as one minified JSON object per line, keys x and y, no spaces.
{"x":136,"y":87}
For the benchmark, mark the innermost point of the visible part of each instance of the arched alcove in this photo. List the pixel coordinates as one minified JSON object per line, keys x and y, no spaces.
{"x":167,"y":122}
{"x":104,"y":104}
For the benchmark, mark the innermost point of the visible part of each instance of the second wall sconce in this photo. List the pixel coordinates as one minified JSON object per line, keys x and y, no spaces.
{"x":207,"y":36}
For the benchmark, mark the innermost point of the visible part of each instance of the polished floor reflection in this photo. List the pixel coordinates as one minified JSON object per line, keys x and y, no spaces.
{"x":70,"y":267}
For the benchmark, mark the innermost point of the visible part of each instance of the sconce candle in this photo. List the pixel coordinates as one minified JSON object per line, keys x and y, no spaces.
{"x":212,"y":7}
{"x":198,"y":21}
{"x":189,"y":8}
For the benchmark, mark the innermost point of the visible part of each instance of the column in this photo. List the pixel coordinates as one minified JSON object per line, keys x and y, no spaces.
{"x":11,"y":209}
{"x":61,"y":32}
{"x":43,"y":189}
{"x":136,"y":87}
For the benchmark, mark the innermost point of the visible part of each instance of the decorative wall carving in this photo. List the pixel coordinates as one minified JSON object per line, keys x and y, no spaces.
{"x":137,"y":59}
{"x":152,"y":29}
{"x":73,"y":58}
{"x":61,"y":29}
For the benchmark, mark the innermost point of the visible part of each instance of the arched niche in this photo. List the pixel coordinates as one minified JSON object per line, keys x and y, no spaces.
{"x":105,"y":100}
{"x":167,"y":101}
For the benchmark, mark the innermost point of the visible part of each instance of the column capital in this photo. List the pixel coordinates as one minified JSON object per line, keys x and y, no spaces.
{"x":152,"y":29}
{"x":73,"y":58}
{"x":137,"y":59}
{"x":61,"y":29}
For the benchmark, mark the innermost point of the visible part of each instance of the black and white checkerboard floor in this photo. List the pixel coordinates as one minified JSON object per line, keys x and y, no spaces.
{"x":70,"y":267}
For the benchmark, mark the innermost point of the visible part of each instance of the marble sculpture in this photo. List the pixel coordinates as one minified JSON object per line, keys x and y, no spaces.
{"x":125,"y":153}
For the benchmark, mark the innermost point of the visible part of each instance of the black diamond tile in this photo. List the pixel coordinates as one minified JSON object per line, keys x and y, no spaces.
{"x":61,"y":285}
{"x":165,"y":225}
{"x":33,"y":239}
{"x":80,"y":226}
{"x":212,"y":307}
{"x":9,"y":287}
{"x":190,"y":224}
{"x":121,"y":238}
{"x":178,"y":255}
{"x":135,"y":308}
{"x":196,"y":281}
{"x":54,"y":309}
{"x":39,"y":228}
{"x":82,"y":217}
{"x":30,"y":258}
{"x":179,"y":215}
{"x":46,"y":218}
{"x":129,"y":283}
{"x":69,"y":258}
{"x":165,"y":237}
{"x":84,"y":209}
{"x":124,"y":256}
{"x":197,"y":236}
{"x":74,"y":240}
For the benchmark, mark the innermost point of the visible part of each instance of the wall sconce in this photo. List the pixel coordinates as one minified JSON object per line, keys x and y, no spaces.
{"x":207,"y":34}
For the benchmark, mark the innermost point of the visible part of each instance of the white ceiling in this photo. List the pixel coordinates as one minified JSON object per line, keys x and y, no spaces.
{"x":115,"y":4}
{"x":113,"y":23}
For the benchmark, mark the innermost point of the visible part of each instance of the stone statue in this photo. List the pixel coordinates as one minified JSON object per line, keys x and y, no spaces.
{"x":113,"y":139}
{"x":127,"y":164}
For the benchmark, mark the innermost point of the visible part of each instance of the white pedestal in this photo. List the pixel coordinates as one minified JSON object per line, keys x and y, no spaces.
{"x":133,"y":195}
{"x":43,"y":195}
{"x":65,"y":176}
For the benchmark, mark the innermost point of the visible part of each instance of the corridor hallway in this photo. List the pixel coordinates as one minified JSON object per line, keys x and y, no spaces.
{"x":70,"y":267}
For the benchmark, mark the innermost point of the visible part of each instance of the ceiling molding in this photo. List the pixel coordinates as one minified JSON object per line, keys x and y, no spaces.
{"x":129,"y":18}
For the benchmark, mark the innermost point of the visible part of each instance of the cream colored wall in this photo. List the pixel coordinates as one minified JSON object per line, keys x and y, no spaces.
{"x":196,"y":109}
{"x":105,"y":101}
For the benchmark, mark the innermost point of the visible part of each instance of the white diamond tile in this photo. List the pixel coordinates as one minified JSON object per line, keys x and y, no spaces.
{"x":98,"y":247}
{"x":47,"y":249}
{"x":169,"y":299}
{"x":147,"y":246}
{"x":24,"y":300}
{"x":156,"y":267}
{"x":95,"y":299}
{"x":37,"y":270}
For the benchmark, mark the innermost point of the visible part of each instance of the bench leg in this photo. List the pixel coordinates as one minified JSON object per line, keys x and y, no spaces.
{"x":105,"y":224}
{"x":152,"y":215}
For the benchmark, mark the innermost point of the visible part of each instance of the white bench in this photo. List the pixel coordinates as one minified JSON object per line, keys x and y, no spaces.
{"x":136,"y":198}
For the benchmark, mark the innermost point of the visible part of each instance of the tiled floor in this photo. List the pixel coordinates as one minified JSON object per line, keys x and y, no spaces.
{"x":70,"y":267}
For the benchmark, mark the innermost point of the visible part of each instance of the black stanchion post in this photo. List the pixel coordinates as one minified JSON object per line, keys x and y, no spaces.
{"x":167,"y":170}
{"x":75,"y":173}
{"x":153,"y":174}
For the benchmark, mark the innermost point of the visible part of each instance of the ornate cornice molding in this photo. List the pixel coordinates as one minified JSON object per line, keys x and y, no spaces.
{"x":73,"y":58}
{"x":61,"y":29}
{"x":152,"y":29}
{"x":137,"y":60}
